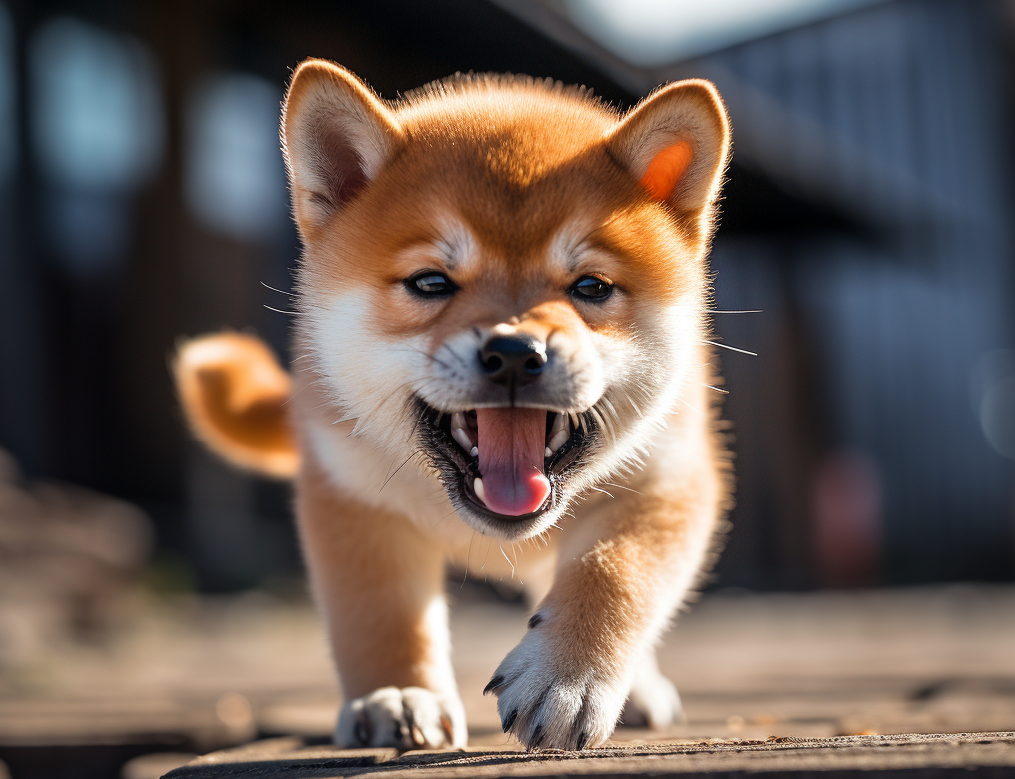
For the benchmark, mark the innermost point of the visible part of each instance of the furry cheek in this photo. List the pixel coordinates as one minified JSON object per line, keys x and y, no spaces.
{"x":675,"y":334}
{"x":587,"y":358}
{"x":453,"y":372}
{"x":646,"y":372}
{"x":370,"y":378}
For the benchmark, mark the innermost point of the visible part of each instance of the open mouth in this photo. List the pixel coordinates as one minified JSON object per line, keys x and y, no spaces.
{"x":508,"y":464}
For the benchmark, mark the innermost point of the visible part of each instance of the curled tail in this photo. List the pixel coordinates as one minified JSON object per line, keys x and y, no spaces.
{"x":233,"y":392}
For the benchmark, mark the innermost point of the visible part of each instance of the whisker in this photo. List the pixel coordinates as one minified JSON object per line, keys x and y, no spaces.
{"x":443,"y":518}
{"x":416,"y":425}
{"x":508,"y":560}
{"x":718,"y":389}
{"x":622,"y":487}
{"x":367,"y":416}
{"x":742,"y":311}
{"x":455,"y":355}
{"x":392,"y":476}
{"x":280,"y":311}
{"x":297,"y":392}
{"x":487,"y":557}
{"x":279,"y":291}
{"x":695,"y":410}
{"x":429,"y":356}
{"x":731,"y":348}
{"x":468,"y":559}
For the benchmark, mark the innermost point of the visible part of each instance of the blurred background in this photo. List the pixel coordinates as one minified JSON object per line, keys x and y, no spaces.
{"x":867,"y":215}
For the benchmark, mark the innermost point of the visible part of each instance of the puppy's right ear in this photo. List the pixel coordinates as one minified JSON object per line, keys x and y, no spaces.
{"x":336,"y":136}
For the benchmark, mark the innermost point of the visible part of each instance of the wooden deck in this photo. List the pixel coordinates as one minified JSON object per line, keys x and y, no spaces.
{"x":758,"y":673}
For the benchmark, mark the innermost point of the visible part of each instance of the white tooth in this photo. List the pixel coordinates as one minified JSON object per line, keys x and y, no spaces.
{"x":557,"y":440}
{"x":474,"y":451}
{"x":462,"y":438}
{"x":457,"y":420}
{"x":547,"y":453}
{"x":477,"y":487}
{"x":559,"y":423}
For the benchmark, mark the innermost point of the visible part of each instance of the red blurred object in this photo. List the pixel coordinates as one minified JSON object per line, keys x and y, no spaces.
{"x":847,"y":520}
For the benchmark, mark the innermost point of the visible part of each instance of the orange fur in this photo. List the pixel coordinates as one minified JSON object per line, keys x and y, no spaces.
{"x":233,"y":390}
{"x":514,"y":190}
{"x":352,"y":549}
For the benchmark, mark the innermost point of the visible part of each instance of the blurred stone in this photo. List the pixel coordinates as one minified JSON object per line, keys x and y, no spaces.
{"x":68,"y":555}
{"x":153,"y":766}
{"x":236,"y":714}
{"x":9,"y":470}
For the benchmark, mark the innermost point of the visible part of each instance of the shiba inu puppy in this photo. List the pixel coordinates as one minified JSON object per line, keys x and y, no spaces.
{"x":501,"y":335}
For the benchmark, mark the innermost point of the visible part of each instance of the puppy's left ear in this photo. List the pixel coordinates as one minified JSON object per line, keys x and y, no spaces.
{"x":337,"y":135}
{"x":676,"y":143}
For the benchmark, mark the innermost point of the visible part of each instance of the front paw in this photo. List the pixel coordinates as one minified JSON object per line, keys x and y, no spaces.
{"x":653,"y":702}
{"x":407,"y":718}
{"x":549,"y":701}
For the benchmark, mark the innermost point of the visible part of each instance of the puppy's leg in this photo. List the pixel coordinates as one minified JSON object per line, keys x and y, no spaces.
{"x":653,"y":701}
{"x":622,"y":571}
{"x":379,"y":583}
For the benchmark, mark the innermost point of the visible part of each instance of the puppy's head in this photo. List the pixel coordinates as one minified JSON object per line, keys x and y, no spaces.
{"x":503,"y":275}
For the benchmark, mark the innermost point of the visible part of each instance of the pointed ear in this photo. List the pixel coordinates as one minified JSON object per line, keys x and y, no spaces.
{"x":336,"y":136}
{"x":676,"y":144}
{"x":233,"y":392}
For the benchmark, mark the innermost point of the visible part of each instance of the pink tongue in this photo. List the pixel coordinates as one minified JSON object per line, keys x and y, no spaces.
{"x":511,"y":446}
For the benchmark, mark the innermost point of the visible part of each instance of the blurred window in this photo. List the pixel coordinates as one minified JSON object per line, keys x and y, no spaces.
{"x":660,"y":32}
{"x":993,"y":396}
{"x":234,"y":175}
{"x":97,"y":117}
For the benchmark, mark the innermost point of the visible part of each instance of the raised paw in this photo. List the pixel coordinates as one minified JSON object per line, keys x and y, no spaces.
{"x":406,"y":718}
{"x":550,"y":702}
{"x":653,"y":702}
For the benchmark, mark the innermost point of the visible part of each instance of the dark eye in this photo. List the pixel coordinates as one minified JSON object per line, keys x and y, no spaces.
{"x":591,"y":288}
{"x":430,"y":284}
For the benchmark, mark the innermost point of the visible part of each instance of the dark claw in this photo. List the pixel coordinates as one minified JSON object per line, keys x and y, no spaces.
{"x":495,"y":682}
{"x":506,"y":724}
{"x":362,"y":729}
{"x":534,"y":620}
{"x":583,"y":739}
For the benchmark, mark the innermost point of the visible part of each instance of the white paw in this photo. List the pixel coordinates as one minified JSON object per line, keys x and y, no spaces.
{"x":551,"y":704}
{"x":408,"y":718}
{"x":653,"y":702}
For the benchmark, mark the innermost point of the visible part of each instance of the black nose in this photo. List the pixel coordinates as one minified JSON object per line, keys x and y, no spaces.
{"x":513,"y":359}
